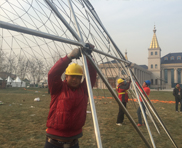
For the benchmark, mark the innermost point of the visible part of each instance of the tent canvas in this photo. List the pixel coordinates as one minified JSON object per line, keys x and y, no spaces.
{"x":9,"y":79}
{"x":17,"y":79}
{"x":16,"y":83}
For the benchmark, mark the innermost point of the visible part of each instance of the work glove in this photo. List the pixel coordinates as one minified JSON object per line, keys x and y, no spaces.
{"x":90,"y":46}
{"x":75,"y":54}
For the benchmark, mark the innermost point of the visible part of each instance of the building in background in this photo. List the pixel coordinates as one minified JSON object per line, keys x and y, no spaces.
{"x":113,"y":72}
{"x":163,"y":72}
{"x":166,"y":70}
{"x":171,"y":69}
{"x":154,"y":62}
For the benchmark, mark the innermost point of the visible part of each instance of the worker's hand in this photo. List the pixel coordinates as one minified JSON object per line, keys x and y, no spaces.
{"x":90,"y":46}
{"x":75,"y":54}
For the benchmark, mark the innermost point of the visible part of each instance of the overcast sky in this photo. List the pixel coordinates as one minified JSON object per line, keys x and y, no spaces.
{"x":131,"y":22}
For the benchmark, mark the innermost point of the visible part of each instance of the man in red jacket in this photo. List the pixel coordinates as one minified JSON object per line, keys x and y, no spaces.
{"x":122,"y":88}
{"x":68,"y":105}
{"x":146,"y":88}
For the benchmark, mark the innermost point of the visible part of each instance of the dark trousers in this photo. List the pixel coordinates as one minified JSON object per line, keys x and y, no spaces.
{"x":177,"y":102}
{"x":121,"y":114}
{"x":139,"y":113}
{"x":50,"y":145}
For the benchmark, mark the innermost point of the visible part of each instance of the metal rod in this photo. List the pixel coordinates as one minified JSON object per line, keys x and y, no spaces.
{"x":141,"y":108}
{"x":88,"y":4}
{"x":51,"y":37}
{"x":121,"y":55}
{"x":117,"y":49}
{"x":103,"y":53}
{"x":102,"y":26}
{"x":58,"y":14}
{"x":89,"y":87}
{"x":92,"y":104}
{"x":117,"y":100}
{"x":149,"y":112}
{"x":37,"y":33}
{"x":156,"y":114}
{"x":76,"y":22}
{"x":132,"y":96}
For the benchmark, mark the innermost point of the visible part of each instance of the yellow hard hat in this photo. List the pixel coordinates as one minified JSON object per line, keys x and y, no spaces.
{"x":120,"y":81}
{"x":74,"y":69}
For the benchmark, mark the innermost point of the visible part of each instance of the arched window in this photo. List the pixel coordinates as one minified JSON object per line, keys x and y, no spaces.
{"x":172,"y":58}
{"x":166,"y":58}
{"x":155,"y":66}
{"x":151,"y":53}
{"x":156,"y":53}
{"x":151,"y":65}
{"x":178,"y":57}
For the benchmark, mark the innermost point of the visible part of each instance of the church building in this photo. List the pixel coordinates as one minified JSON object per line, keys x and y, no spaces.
{"x":166,"y":70}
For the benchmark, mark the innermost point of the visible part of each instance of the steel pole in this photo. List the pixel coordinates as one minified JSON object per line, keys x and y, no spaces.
{"x":117,"y":100}
{"x":145,"y":119}
{"x":89,"y":87}
{"x":92,"y":104}
{"x":21,"y":29}
{"x":150,"y":115}
{"x":58,"y":14}
{"x":87,"y":3}
{"x":156,"y":115}
{"x":108,"y":55}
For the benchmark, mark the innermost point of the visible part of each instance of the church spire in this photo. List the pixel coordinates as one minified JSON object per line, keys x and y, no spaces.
{"x":154,"y":43}
{"x":126,"y":57}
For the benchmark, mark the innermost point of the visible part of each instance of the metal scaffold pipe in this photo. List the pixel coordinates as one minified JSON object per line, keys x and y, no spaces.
{"x":142,"y":110}
{"x":118,"y":101}
{"x":156,"y":114}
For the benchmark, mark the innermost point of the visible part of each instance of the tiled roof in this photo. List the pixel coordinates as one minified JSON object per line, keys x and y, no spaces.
{"x":167,"y":59}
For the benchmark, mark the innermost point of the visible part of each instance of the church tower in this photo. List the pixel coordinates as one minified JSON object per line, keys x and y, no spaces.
{"x":154,"y":61}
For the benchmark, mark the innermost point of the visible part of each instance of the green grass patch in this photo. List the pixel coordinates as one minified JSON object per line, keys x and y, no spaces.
{"x":23,"y":121}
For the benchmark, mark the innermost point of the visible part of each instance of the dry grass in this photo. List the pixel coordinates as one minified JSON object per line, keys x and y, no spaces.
{"x":24,"y":127}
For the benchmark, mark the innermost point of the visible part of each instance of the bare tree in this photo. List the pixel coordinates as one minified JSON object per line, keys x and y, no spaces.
{"x":10,"y":64}
{"x":22,"y":67}
{"x":36,"y":70}
{"x":2,"y":61}
{"x":56,"y":56}
{"x":40,"y":70}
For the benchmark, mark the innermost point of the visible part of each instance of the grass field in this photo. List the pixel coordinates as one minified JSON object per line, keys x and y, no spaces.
{"x":23,"y":121}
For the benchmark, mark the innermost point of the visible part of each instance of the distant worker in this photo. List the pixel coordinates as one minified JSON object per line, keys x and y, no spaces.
{"x":146,"y":88}
{"x":68,"y":104}
{"x":177,"y":92}
{"x":122,"y":88}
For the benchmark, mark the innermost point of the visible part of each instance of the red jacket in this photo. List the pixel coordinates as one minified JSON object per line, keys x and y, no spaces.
{"x":68,"y":106}
{"x":122,"y":91}
{"x":146,"y":89}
